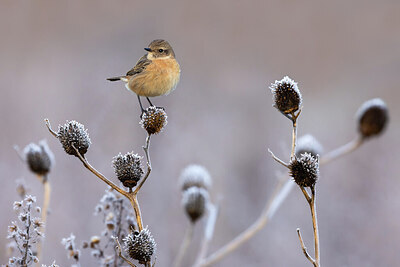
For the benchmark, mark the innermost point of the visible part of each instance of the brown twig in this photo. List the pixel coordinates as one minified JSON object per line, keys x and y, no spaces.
{"x":118,"y":247}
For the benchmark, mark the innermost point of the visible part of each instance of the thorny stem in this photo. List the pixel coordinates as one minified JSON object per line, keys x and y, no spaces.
{"x":343,"y":150}
{"x":311,"y":203}
{"x":185,"y":244}
{"x":45,"y":210}
{"x":281,"y":191}
{"x":118,"y":247}
{"x":208,"y":232}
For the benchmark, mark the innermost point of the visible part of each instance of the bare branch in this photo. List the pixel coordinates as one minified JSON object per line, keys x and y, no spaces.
{"x":118,"y":247}
{"x":278,"y":159}
{"x":343,"y":150}
{"x":305,"y":249}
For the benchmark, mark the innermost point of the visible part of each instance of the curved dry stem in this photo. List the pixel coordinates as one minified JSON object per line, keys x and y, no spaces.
{"x":281,"y":191}
{"x":187,"y":239}
{"x":303,"y":247}
{"x":118,"y":247}
{"x":135,"y":204}
{"x":144,"y":179}
{"x":45,"y":209}
{"x":49,"y":128}
{"x":343,"y":150}
{"x":294,"y":133}
{"x":278,"y":159}
{"x":311,"y":203}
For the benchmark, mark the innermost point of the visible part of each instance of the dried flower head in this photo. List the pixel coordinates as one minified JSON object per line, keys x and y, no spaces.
{"x":154,"y":120}
{"x":39,"y":157}
{"x":195,"y":175}
{"x":372,"y":117}
{"x":73,"y":134}
{"x":308,"y":143}
{"x":194,"y":201}
{"x":305,"y":170}
{"x":286,"y":95}
{"x":128,"y":168}
{"x":140,"y":245}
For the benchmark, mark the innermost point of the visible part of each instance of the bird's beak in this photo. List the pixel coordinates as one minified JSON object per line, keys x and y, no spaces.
{"x":147,"y":49}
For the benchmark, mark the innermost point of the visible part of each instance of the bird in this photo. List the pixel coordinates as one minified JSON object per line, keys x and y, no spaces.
{"x":156,"y":73}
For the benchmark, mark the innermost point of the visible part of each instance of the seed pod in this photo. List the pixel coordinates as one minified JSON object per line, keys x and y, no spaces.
{"x":39,"y":157}
{"x":286,"y":95}
{"x":372,"y":117}
{"x":73,"y":133}
{"x":154,"y":120}
{"x":195,"y":175}
{"x":194,"y":201}
{"x":140,"y":245}
{"x":305,"y":170}
{"x":128,"y":168}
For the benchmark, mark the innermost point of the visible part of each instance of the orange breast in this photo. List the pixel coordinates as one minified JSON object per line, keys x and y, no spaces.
{"x":160,"y":78}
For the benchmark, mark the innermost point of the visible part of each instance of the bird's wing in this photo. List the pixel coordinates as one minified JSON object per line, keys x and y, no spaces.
{"x":140,"y":66}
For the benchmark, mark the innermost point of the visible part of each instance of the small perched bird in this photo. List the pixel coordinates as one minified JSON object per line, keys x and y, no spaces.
{"x":156,"y":73}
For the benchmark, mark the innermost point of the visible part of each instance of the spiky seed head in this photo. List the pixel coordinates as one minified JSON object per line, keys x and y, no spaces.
{"x":128,"y":168}
{"x":73,"y":133}
{"x":286,"y":95}
{"x":308,"y":143}
{"x":305,"y":170}
{"x":195,"y":175}
{"x":194,"y":201}
{"x":140,"y":245}
{"x":372,"y":117}
{"x":39,"y":157}
{"x":154,"y":120}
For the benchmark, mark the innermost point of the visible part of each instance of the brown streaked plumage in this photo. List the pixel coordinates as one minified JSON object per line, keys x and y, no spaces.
{"x":156,"y":73}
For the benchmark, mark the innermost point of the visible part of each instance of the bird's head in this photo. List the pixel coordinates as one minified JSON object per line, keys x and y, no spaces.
{"x":159,"y":49}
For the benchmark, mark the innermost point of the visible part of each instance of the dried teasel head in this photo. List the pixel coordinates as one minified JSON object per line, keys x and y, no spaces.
{"x":195,"y":175}
{"x":286,"y":95}
{"x":128,"y":168}
{"x":154,"y":119}
{"x":372,"y":117}
{"x":305,"y":170}
{"x":39,"y":158}
{"x":140,"y":245}
{"x":308,"y":143}
{"x":194,"y":201}
{"x":73,"y":134}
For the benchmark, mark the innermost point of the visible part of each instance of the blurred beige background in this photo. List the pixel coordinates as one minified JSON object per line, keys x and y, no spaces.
{"x":56,"y":55}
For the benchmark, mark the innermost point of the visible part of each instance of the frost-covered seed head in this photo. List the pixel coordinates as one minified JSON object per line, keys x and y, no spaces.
{"x":140,"y":245}
{"x":195,"y":175}
{"x":372,"y":117}
{"x":308,"y":143}
{"x":128,"y":168}
{"x":305,"y":170}
{"x":194,"y":201}
{"x":154,"y":120}
{"x":286,"y":95}
{"x":39,"y":157}
{"x":74,"y":133}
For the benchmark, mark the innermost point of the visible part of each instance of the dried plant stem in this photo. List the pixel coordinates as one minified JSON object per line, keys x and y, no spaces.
{"x":118,"y":247}
{"x":208,"y":232}
{"x":278,"y":159}
{"x":294,"y":133}
{"x":311,"y":203}
{"x":132,"y":196}
{"x":45,"y":210}
{"x":187,"y":239}
{"x":343,"y":150}
{"x":281,"y":191}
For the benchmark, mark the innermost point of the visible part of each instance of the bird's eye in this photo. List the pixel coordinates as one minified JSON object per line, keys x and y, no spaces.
{"x":160,"y":50}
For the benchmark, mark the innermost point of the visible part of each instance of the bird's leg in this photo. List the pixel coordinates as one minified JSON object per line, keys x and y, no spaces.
{"x":141,"y":107}
{"x":151,"y":104}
